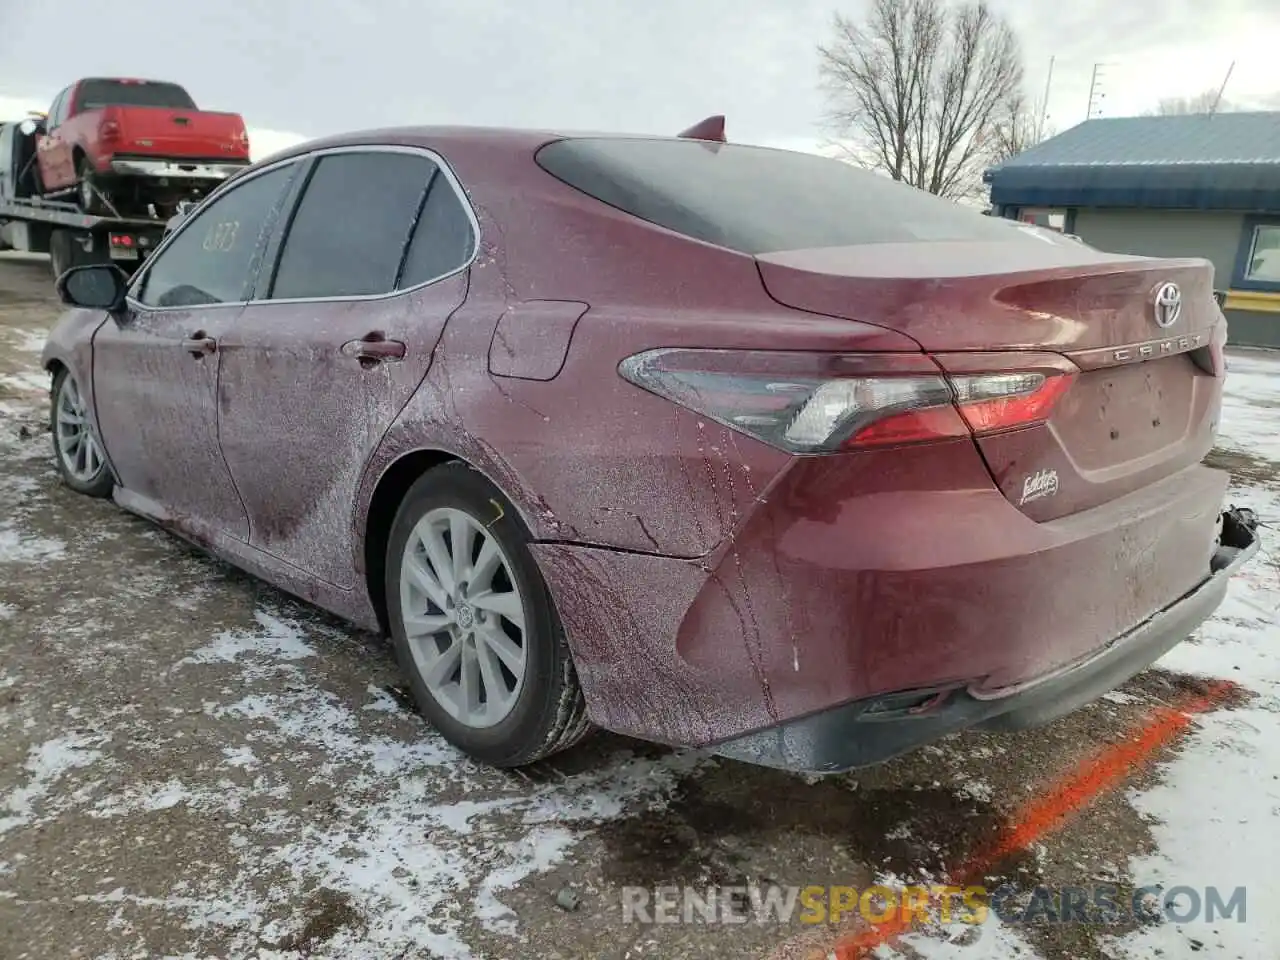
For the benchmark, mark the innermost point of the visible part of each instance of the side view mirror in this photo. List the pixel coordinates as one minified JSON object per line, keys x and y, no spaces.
{"x":94,"y":286}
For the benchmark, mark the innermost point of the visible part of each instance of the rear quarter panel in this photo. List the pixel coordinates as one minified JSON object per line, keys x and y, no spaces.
{"x":587,"y":456}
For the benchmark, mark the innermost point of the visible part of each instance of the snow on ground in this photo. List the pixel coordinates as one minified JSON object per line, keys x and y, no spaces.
{"x":405,"y":837}
{"x":399,"y":850}
{"x":992,"y":941}
{"x":1251,"y":407}
{"x":29,"y":340}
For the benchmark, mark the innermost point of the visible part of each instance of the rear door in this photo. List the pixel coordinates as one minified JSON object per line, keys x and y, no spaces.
{"x":340,"y":334}
{"x":155,"y":370}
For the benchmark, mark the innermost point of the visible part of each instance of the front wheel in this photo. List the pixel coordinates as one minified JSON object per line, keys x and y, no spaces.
{"x":474,"y":626}
{"x":75,"y":446}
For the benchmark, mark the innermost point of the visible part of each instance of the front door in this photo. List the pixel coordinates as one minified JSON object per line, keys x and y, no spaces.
{"x":156,"y":383}
{"x":317,"y":368}
{"x":156,"y":368}
{"x":53,"y":153}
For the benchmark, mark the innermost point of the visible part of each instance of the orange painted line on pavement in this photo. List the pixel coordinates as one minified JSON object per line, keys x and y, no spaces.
{"x":1052,"y":809}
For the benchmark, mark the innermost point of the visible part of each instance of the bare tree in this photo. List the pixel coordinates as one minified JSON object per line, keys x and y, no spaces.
{"x":1206,"y":101}
{"x":921,"y":87}
{"x":1019,"y":125}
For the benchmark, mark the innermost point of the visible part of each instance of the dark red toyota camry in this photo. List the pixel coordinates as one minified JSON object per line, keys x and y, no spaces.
{"x":706,"y":444}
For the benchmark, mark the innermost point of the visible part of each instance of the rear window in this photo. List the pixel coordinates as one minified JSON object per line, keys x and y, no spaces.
{"x":758,"y":200}
{"x":93,"y":94}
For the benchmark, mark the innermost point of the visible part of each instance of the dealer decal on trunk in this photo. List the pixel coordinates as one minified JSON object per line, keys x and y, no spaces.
{"x":1043,"y":483}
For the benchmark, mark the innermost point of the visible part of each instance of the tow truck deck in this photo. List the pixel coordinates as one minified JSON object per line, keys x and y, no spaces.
{"x":72,"y":238}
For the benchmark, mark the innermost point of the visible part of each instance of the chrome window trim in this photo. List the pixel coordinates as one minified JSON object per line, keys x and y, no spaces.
{"x":440,"y":162}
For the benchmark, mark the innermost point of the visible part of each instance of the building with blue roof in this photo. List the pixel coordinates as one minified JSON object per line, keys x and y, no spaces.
{"x":1198,"y":185}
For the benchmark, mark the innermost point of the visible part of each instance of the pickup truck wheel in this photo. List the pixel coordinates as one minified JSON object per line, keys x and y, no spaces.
{"x":89,"y":194}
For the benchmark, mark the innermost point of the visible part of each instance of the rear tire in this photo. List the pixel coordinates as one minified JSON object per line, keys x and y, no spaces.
{"x":75,"y":446}
{"x":487,"y":661}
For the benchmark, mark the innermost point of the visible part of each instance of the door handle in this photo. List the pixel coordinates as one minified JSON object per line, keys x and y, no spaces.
{"x":372,"y":349}
{"x":200,"y":344}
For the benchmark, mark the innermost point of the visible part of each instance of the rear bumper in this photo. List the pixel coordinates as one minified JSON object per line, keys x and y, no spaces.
{"x":174,"y":169}
{"x":857,"y":577}
{"x":865,"y":732}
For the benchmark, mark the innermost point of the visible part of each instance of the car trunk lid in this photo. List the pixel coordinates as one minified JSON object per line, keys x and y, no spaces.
{"x":1144,"y":398}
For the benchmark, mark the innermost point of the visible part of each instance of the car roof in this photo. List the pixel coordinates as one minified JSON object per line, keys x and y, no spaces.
{"x":443,"y":138}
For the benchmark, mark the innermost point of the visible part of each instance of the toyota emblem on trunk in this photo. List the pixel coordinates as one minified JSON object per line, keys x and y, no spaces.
{"x":1168,"y":305}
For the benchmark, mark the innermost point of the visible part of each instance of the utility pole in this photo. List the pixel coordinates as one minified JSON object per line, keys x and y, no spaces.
{"x":1095,"y":92}
{"x":1043,"y":120}
{"x":1222,"y":89}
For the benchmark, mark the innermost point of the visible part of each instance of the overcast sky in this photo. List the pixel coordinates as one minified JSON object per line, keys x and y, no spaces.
{"x":311,"y":67}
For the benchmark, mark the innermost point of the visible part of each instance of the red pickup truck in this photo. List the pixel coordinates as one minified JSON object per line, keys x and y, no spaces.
{"x":132,"y":147}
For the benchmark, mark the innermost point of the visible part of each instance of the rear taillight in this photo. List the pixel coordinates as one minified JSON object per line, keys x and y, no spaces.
{"x":818,"y":403}
{"x":109,"y":131}
{"x":1002,"y":401}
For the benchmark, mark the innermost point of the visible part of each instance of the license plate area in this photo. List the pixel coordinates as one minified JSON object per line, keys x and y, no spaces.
{"x":124,"y":246}
{"x":1117,"y":415}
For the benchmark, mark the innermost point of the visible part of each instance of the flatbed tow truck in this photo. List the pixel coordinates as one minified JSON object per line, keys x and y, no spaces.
{"x":72,"y":238}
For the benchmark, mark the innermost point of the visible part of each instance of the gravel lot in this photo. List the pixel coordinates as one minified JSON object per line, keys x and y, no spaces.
{"x":195,"y":765}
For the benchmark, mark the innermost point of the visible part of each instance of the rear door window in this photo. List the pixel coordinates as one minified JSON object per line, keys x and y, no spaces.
{"x":444,"y":239}
{"x":758,"y":200}
{"x":351,"y":229}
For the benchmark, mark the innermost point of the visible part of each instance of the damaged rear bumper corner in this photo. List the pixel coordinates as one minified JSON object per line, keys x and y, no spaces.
{"x":877,"y":729}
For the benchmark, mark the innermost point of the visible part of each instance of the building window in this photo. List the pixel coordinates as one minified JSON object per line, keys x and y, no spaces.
{"x":1264,"y":255}
{"x":1044,"y":217}
{"x":1257,"y":265}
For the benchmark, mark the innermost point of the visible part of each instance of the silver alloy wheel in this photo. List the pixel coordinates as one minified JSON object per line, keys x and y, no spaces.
{"x":77,"y":446}
{"x":463,"y":616}
{"x":86,"y":194}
